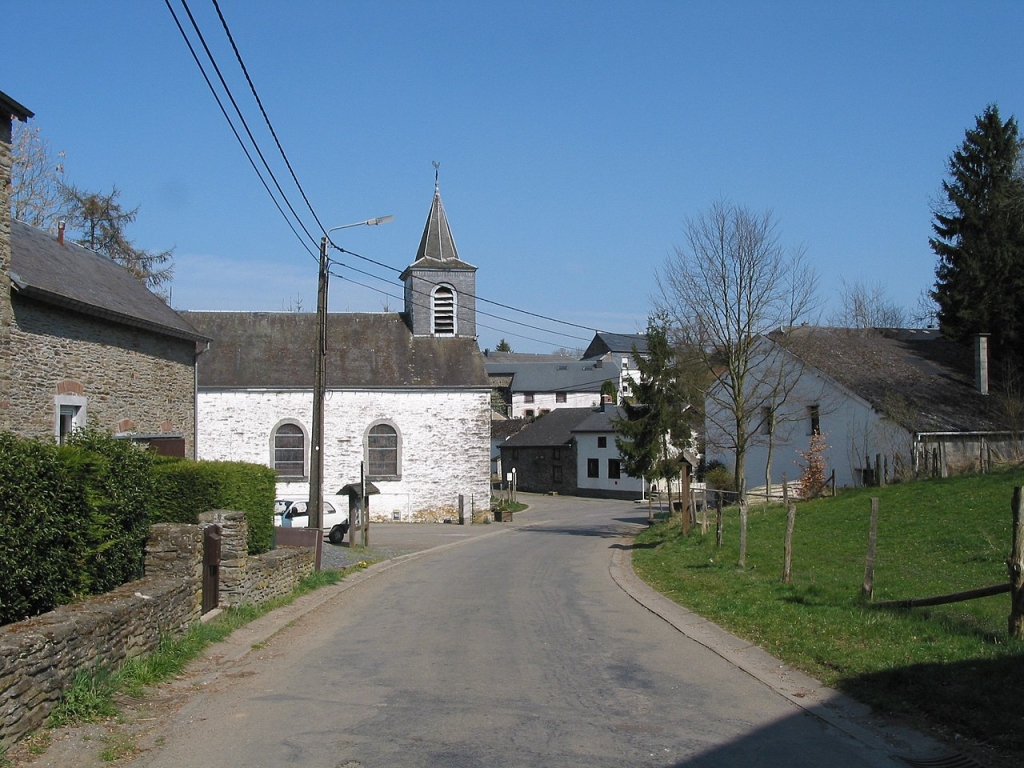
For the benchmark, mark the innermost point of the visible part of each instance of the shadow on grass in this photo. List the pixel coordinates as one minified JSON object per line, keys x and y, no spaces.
{"x":980,"y":698}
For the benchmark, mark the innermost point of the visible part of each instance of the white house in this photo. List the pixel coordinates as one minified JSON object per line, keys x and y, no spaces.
{"x":890,"y":403}
{"x":407,"y":394}
{"x":531,"y":388}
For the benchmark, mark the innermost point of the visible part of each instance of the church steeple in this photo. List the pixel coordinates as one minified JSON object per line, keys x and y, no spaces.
{"x":440,"y":288}
{"x":437,"y":241}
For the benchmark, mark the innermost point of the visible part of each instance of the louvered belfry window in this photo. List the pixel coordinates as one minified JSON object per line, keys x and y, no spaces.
{"x":443,"y":308}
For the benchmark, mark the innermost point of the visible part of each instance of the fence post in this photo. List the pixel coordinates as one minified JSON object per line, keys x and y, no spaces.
{"x":1015,"y":564}
{"x":718,"y":520}
{"x":743,"y":533}
{"x":787,"y":567}
{"x":785,"y":490}
{"x":867,"y":588}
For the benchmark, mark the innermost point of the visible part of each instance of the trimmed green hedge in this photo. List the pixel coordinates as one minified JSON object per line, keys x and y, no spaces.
{"x":184,"y":489}
{"x":74,"y":519}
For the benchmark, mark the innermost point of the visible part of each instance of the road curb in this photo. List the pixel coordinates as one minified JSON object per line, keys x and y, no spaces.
{"x":833,"y":708}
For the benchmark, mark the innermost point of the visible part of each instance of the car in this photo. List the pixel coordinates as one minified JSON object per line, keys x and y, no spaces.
{"x":294,"y":514}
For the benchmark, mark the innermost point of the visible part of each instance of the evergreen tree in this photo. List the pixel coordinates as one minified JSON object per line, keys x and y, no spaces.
{"x":101,"y":222}
{"x":979,"y":237}
{"x":655,"y":428}
{"x":503,"y":346}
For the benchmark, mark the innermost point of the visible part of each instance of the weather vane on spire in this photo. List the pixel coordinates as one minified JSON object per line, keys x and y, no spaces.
{"x":436,"y":166}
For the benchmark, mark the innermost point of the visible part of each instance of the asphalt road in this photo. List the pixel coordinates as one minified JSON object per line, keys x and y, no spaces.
{"x":521,"y":645}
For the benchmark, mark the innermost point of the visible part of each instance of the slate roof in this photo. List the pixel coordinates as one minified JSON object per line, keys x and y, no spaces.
{"x":372,"y":350}
{"x":72,"y":277}
{"x":437,"y":246}
{"x":502,"y":429}
{"x":9,"y":108}
{"x":929,"y":379}
{"x":550,"y":430}
{"x":600,"y":419}
{"x":604,"y":343}
{"x":564,"y":375}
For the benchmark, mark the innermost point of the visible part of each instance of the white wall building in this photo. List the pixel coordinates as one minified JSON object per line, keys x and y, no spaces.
{"x":407,"y":393}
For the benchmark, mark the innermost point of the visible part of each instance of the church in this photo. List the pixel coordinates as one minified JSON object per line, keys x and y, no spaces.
{"x":408,"y":397}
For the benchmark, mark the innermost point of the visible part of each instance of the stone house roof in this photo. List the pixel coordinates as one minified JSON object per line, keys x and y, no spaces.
{"x":557,"y":427}
{"x":69,"y":276}
{"x":915,"y":377}
{"x":372,"y":350}
{"x":563,"y":375}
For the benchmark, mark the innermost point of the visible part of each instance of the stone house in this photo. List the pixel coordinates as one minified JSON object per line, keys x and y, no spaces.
{"x":571,"y":451}
{"x":890,"y":403}
{"x":83,"y":342}
{"x":407,"y":394}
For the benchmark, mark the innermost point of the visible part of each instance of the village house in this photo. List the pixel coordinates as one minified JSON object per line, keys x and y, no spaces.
{"x":571,"y":451}
{"x":890,"y":404}
{"x":530,"y":388}
{"x":407,"y":395}
{"x":83,"y":343}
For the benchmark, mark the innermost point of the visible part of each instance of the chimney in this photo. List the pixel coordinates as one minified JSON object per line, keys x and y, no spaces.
{"x":981,"y":362}
{"x":60,"y":232}
{"x":606,"y":403}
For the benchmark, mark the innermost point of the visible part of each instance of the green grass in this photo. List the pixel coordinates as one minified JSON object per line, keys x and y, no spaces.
{"x":952,"y":665}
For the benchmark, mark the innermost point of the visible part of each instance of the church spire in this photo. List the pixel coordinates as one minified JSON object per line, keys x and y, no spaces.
{"x":437,"y":242}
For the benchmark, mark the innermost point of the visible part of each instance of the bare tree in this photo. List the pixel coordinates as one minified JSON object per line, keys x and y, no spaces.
{"x":731,"y":283}
{"x":867,"y":306}
{"x":37,"y":179}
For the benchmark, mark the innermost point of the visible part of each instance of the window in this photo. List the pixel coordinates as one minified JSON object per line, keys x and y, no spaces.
{"x":614,"y":469}
{"x":70,"y":412}
{"x":602,"y":442}
{"x":443,"y":310}
{"x":814,"y":420}
{"x":528,"y":397}
{"x":556,"y":454}
{"x":559,"y":397}
{"x":556,"y":474}
{"x":289,"y":450}
{"x":528,"y":413}
{"x":593,"y":468}
{"x":382,"y":453}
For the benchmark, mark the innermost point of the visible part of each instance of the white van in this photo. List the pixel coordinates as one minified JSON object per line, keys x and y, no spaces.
{"x":294,"y":514}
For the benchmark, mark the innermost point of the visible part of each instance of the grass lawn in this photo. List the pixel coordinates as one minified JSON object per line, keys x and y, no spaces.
{"x":952,"y":664}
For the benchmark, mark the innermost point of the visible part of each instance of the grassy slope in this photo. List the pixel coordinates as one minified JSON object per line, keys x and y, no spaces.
{"x":951,"y":664}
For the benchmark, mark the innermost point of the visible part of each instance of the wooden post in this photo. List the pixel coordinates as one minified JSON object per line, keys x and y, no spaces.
{"x":1015,"y":564}
{"x":879,"y":481}
{"x":684,"y":498}
{"x":743,"y":533}
{"x":787,"y":567}
{"x":833,"y":482}
{"x":785,"y":490}
{"x":867,"y":588}
{"x":718,"y":520}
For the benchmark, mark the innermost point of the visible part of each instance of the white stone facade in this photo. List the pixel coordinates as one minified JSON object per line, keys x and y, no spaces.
{"x":524,"y":407}
{"x":443,"y":436}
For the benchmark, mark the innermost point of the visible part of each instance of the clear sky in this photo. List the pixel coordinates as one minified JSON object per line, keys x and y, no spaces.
{"x":574,"y":138}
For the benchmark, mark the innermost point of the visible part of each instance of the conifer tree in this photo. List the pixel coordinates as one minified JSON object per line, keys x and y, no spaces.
{"x":655,"y":427}
{"x":979,"y":237}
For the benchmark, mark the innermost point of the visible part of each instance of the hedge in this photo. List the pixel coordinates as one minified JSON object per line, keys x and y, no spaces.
{"x":184,"y":489}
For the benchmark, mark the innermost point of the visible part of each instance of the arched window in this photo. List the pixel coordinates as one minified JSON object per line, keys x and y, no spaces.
{"x":382,"y":453}
{"x":289,"y":450}
{"x":443,"y":305}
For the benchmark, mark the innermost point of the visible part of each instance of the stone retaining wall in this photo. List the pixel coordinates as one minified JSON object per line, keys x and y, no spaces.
{"x":39,"y":657}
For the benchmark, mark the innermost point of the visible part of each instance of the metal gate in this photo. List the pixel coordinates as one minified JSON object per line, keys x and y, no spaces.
{"x":211,"y":568}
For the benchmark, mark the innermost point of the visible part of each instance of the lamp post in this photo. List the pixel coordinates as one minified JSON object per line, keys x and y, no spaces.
{"x":316,"y":459}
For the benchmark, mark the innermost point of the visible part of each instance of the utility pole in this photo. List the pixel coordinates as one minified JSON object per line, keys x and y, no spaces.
{"x":316,"y":458}
{"x":316,"y":454}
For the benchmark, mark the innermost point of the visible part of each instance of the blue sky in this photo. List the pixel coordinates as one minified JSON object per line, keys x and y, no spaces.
{"x":575,"y":138}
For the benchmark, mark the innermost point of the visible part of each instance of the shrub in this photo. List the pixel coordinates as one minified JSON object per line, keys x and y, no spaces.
{"x":185,"y":489}
{"x":44,"y":520}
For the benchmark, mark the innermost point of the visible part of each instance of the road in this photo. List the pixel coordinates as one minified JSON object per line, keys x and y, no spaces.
{"x":515,"y":648}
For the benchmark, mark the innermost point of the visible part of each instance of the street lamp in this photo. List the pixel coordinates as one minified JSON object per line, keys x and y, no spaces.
{"x":316,"y":460}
